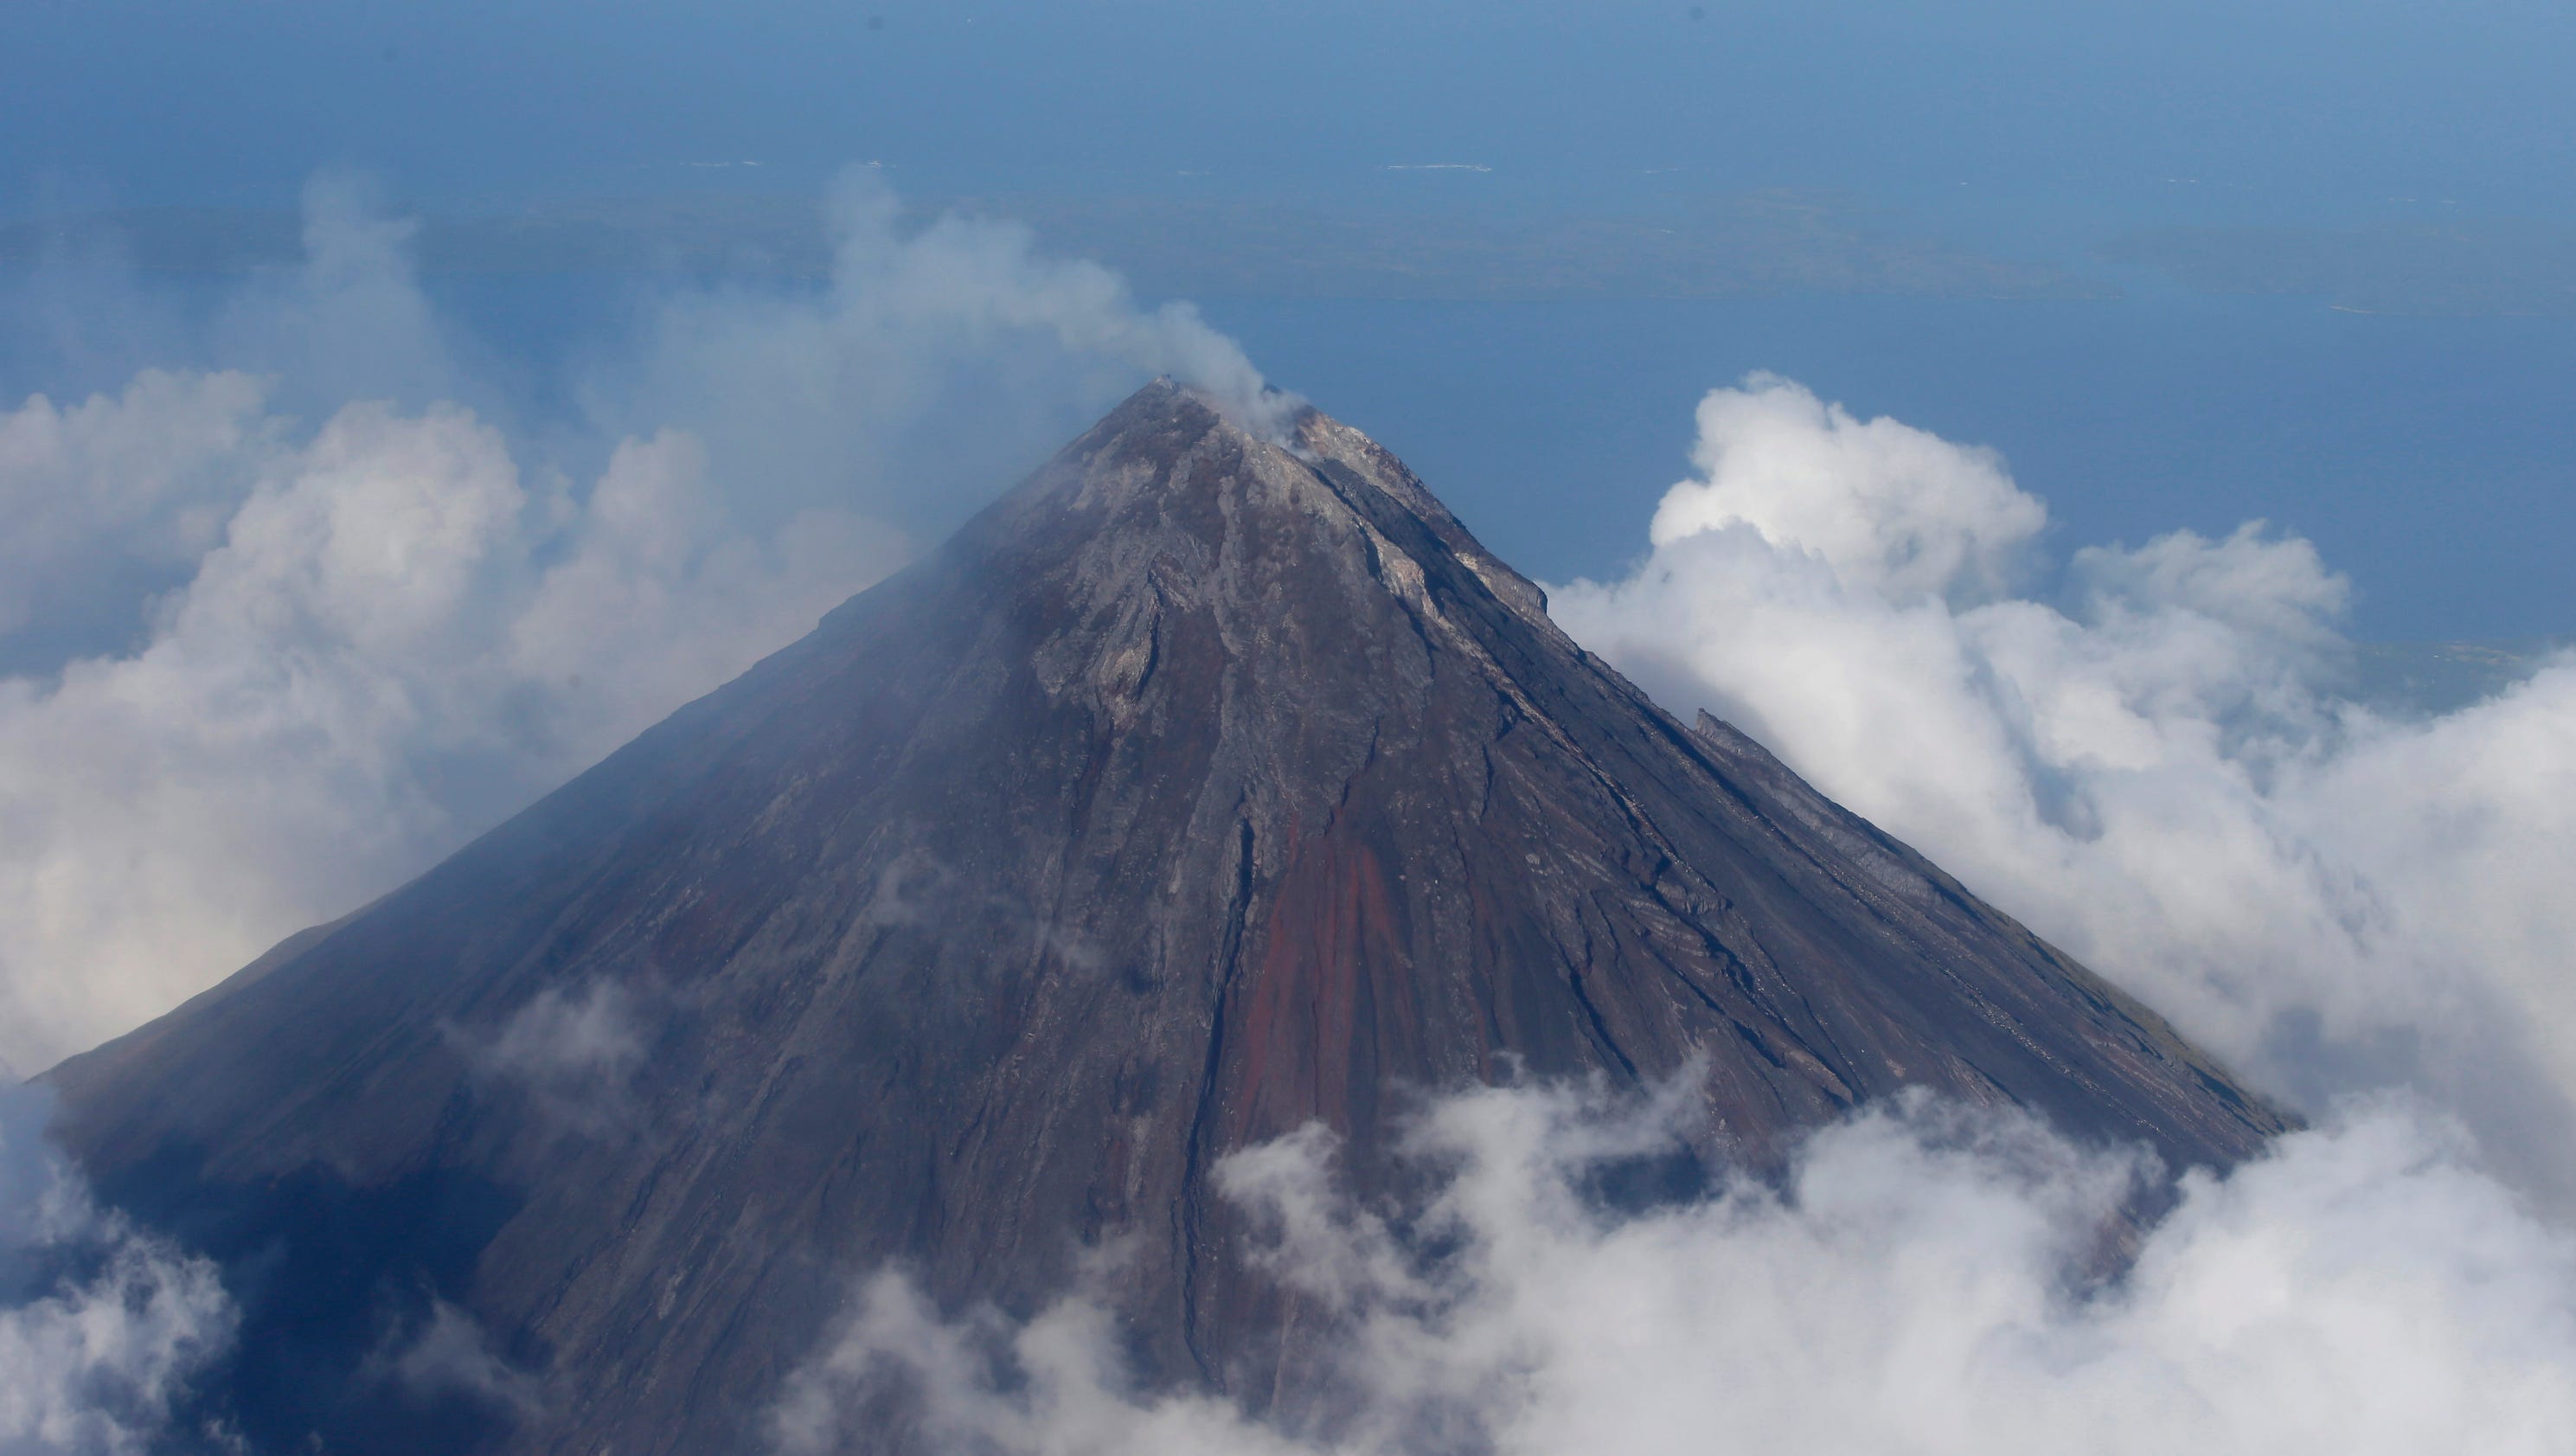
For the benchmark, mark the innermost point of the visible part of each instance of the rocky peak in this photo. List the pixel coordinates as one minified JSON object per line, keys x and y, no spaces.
{"x":1202,"y":787}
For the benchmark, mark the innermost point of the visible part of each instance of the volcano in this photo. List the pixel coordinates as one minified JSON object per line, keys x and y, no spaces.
{"x":1205,"y":786}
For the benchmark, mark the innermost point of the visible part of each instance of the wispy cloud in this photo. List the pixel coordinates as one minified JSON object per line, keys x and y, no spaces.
{"x":102,"y":1325}
{"x":573,"y":1054}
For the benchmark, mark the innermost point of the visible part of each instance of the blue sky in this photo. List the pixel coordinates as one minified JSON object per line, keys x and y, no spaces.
{"x":2304,"y":107}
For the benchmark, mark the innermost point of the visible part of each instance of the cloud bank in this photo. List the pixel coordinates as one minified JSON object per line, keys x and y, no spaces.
{"x":2140,"y":751}
{"x":1921,"y":1284}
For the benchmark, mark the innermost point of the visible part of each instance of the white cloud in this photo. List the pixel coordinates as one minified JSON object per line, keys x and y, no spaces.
{"x":572,"y":1056}
{"x":1923,"y":1283}
{"x":101,"y":1325}
{"x":141,"y":479}
{"x":1893,"y":508}
{"x":2154,"y":771}
{"x":399,"y":639}
{"x":382,"y":632}
{"x":447,"y":1355}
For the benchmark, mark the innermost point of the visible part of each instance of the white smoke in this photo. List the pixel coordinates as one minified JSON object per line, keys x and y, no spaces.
{"x":351,"y":322}
{"x":1921,"y":1284}
{"x":930,"y":348}
{"x":387,"y":630}
{"x":101,"y":1325}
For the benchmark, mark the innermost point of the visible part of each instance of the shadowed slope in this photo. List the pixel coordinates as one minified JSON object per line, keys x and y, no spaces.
{"x":1201,"y":787}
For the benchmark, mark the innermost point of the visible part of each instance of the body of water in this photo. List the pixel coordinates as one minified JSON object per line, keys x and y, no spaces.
{"x":2433,"y":460}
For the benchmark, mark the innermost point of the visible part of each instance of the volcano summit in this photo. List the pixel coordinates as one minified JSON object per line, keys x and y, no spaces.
{"x":1201,"y":788}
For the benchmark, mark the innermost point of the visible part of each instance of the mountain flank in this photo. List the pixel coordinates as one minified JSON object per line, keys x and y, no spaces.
{"x":1202,"y":787}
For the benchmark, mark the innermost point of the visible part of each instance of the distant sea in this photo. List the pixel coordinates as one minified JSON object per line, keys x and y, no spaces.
{"x":2433,"y":460}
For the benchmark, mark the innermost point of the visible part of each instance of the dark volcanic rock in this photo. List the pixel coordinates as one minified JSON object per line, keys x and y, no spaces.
{"x":1196,"y":790}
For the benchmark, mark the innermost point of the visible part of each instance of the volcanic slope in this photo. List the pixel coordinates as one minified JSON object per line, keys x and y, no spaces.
{"x":1201,"y":787}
